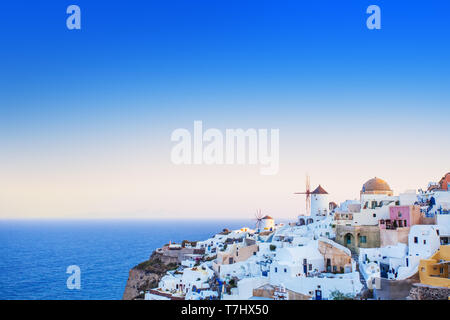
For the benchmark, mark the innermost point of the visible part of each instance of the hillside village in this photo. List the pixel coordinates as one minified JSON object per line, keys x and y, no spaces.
{"x":383,"y":246}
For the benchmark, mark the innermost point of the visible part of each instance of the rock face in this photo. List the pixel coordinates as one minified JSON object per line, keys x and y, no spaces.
{"x":146,"y":275}
{"x":425,"y":292}
{"x":137,"y":281}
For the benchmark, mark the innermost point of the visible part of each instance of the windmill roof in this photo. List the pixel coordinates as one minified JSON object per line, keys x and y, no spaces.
{"x":268,"y":217}
{"x":319,"y":190}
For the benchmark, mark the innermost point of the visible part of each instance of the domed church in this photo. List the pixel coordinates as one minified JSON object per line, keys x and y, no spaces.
{"x":376,"y":193}
{"x":376,"y":186}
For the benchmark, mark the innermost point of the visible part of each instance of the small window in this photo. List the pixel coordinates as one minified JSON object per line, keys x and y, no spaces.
{"x":424,"y":241}
{"x":374,"y":215}
{"x":416,"y":240}
{"x":437,"y":232}
{"x":310,"y":267}
{"x":285,"y":270}
{"x":399,"y":214}
{"x":276,"y":269}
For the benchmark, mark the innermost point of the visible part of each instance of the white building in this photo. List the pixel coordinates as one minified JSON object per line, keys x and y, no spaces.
{"x":296,"y":261}
{"x":344,"y":206}
{"x":180,"y":283}
{"x":319,"y":204}
{"x":244,"y":289}
{"x":376,"y":198}
{"x":324,"y":228}
{"x":443,"y":223}
{"x":268,"y":223}
{"x":401,"y":261}
{"x":319,"y":207}
{"x":323,"y":286}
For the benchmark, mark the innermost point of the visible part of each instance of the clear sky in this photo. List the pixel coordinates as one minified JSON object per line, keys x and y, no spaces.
{"x":86,"y":115}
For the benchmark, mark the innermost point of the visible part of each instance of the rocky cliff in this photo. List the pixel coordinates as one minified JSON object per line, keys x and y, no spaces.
{"x":146,"y":275}
{"x":424,"y":292}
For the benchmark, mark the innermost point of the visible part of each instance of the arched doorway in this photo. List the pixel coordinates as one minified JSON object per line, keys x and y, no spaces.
{"x":348,"y":239}
{"x":301,"y":221}
{"x":309,"y":221}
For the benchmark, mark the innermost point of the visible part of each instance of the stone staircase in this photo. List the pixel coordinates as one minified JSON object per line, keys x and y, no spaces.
{"x":361,"y":277}
{"x":363,"y":280}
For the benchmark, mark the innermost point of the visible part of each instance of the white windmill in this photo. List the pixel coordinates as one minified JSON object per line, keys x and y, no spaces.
{"x":259,"y":220}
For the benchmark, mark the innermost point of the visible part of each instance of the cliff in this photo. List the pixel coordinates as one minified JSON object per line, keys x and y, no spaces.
{"x":146,"y":275}
{"x":424,"y":292}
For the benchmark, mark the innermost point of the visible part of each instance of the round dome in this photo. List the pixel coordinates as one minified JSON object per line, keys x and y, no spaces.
{"x":376,"y":185}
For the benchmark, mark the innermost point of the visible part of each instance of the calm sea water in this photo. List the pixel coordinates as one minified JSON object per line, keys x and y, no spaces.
{"x":34,"y":255}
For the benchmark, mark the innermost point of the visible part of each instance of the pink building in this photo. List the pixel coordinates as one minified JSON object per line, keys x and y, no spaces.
{"x":401,"y":217}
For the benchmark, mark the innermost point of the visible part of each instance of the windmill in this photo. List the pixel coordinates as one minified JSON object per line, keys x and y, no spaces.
{"x":308,"y":196}
{"x":258,"y":219}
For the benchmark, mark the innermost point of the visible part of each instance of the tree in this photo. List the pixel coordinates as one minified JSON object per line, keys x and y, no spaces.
{"x":337,"y":295}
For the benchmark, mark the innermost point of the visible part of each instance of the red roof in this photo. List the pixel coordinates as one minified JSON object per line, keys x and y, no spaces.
{"x":319,"y":190}
{"x":268,"y":217}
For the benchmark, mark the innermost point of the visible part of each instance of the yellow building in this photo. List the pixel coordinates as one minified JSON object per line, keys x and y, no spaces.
{"x":435,"y":271}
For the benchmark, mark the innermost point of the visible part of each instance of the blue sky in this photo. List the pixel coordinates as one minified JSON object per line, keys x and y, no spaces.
{"x":76,"y":101}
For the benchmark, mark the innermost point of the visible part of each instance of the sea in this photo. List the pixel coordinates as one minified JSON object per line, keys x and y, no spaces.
{"x":35,"y":254}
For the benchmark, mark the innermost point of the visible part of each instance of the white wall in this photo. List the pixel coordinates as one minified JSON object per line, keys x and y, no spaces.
{"x":319,"y":204}
{"x":423,"y":233}
{"x":245,"y":287}
{"x":366,"y":216}
{"x":347,"y":284}
{"x":408,"y":198}
{"x":443,"y":222}
{"x":268,"y":224}
{"x":150,"y":296}
{"x":405,"y":259}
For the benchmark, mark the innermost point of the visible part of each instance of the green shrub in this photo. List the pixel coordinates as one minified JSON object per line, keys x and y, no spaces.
{"x":337,"y":295}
